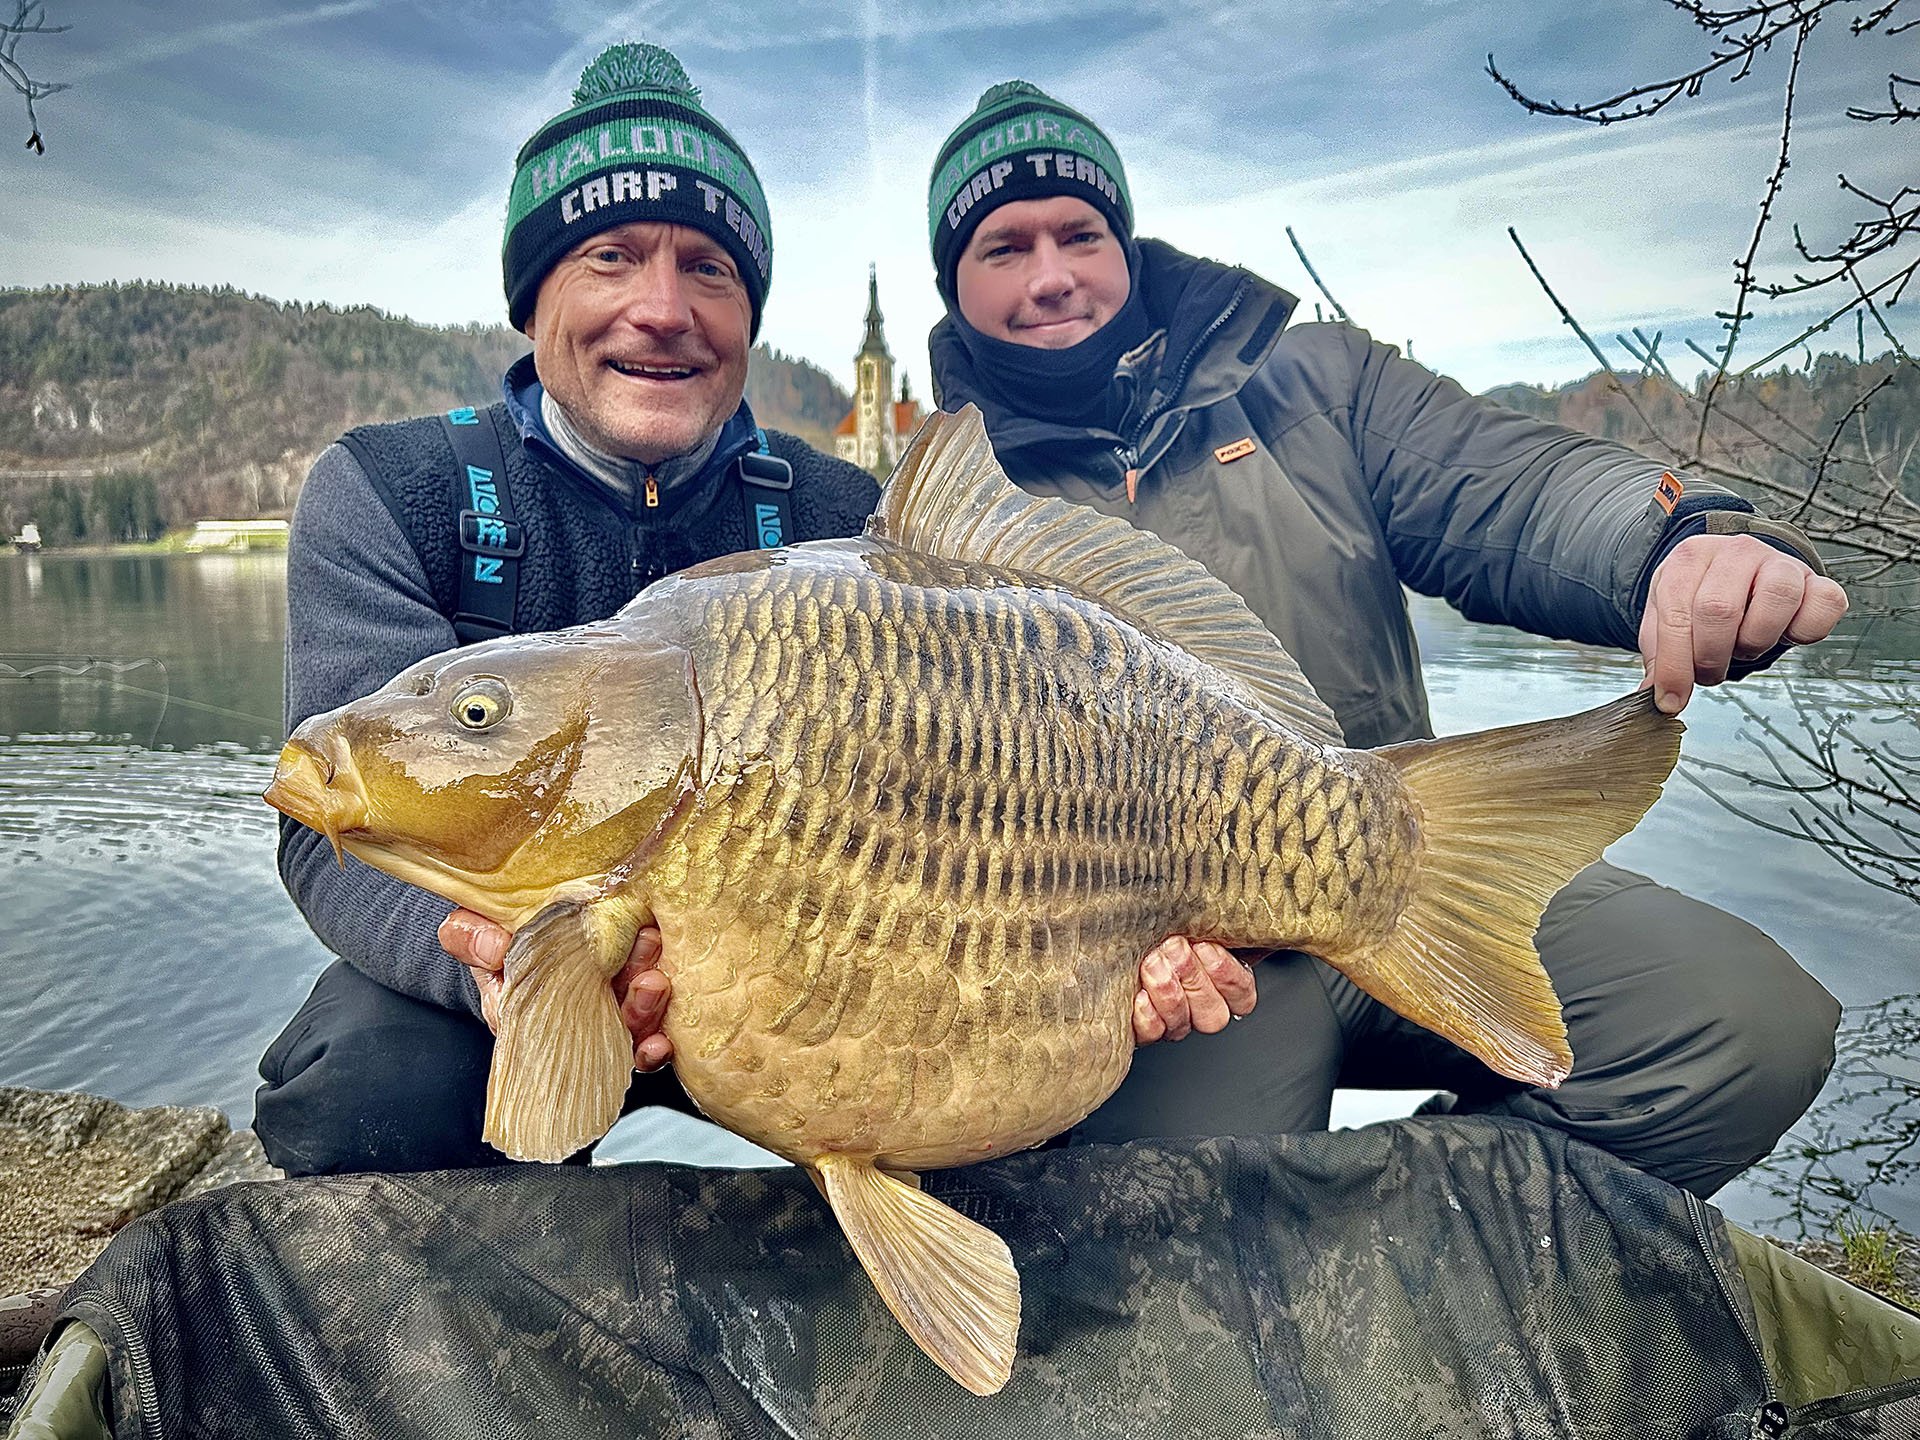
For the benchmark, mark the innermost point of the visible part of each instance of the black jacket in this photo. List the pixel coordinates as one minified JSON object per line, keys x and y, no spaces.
{"x":1316,"y":472}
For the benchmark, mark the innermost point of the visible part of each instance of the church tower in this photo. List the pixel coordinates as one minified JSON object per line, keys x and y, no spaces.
{"x":876,"y":430}
{"x":873,"y":392}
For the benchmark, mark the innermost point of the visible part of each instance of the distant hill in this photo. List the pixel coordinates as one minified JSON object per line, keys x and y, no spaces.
{"x":1805,"y":408}
{"x":126,"y":410}
{"x":129,"y":409}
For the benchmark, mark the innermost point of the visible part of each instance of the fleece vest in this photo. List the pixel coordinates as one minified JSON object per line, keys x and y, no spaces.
{"x":586,"y":551}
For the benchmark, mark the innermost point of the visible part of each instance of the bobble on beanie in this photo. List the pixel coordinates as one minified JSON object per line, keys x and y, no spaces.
{"x":636,"y":145}
{"x":1019,"y":144}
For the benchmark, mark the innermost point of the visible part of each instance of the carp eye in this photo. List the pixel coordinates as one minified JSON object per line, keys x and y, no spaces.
{"x":482,"y":704}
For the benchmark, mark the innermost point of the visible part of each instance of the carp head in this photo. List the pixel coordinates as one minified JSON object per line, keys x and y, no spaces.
{"x":507,"y":774}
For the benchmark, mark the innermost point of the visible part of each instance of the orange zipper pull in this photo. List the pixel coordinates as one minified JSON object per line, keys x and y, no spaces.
{"x":1133,"y":484}
{"x":653,"y":493}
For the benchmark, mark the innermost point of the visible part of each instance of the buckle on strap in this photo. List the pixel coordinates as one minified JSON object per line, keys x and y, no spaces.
{"x":767,"y":471}
{"x":484,"y":534}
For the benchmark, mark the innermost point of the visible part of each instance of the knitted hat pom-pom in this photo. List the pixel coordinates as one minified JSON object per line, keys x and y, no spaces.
{"x":995,"y":93}
{"x":621,"y":69}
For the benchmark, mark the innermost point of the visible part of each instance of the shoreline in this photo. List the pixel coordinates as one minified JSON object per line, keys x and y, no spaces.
{"x":171,"y":544}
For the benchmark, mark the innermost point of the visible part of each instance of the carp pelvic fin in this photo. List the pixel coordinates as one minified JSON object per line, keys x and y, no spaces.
{"x":1508,"y":816}
{"x":949,"y":497}
{"x":948,"y":1281}
{"x":563,"y":1059}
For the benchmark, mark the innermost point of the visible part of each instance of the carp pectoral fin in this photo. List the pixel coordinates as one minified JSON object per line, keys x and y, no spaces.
{"x":563,"y":1058}
{"x":948,"y":1281}
{"x":1507,"y":817}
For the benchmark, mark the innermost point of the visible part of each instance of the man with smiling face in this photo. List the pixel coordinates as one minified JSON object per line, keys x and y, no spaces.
{"x":637,"y":260}
{"x":1316,"y":472}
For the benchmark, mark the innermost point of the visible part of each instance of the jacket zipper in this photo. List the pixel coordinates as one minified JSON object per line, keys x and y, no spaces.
{"x":1772,"y":1419}
{"x":1129,"y":454}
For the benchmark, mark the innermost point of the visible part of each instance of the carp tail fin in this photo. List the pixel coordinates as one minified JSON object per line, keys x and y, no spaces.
{"x":563,"y":1058}
{"x":949,"y":1281}
{"x":1507,"y":817}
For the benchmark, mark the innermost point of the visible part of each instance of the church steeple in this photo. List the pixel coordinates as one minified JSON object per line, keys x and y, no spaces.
{"x":875,"y":342}
{"x":878,"y":426}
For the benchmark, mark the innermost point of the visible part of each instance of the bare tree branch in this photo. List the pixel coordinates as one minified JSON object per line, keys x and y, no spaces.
{"x":1767,"y":23}
{"x":1740,"y":35}
{"x":1339,"y":310}
{"x":27,"y":20}
{"x":1743,"y":275}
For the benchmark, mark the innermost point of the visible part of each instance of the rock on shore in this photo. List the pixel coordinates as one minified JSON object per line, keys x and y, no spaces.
{"x":75,"y":1168}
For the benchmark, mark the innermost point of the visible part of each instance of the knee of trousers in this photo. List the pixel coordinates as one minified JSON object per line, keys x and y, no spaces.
{"x":1700,"y":1051}
{"x":346,"y":1093}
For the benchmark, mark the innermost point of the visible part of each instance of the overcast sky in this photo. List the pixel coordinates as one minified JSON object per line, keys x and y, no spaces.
{"x":360,"y":152}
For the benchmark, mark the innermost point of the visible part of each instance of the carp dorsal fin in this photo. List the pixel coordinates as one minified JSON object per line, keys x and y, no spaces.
{"x":949,"y":497}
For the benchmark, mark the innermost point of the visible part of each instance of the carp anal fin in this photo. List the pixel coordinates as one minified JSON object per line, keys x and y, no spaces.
{"x":949,"y":497}
{"x":1507,"y":817}
{"x":563,"y":1058}
{"x":949,"y":1281}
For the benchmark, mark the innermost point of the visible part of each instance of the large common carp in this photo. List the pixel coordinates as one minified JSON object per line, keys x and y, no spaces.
{"x":908,"y":809}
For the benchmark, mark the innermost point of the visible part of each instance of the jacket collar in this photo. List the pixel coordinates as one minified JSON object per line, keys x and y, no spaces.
{"x":1215,"y":325}
{"x":521,"y":390}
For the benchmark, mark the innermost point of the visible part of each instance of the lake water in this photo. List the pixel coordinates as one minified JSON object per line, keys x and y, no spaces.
{"x":148,"y":953}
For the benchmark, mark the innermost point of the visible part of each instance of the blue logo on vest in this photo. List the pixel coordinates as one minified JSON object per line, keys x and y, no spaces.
{"x":490,"y":534}
{"x":766,"y":519}
{"x":486,"y":569}
{"x":465,"y":415}
{"x":481,"y":494}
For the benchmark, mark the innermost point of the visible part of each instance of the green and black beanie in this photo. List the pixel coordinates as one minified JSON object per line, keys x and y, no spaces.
{"x":637,"y":145}
{"x":1019,"y":144}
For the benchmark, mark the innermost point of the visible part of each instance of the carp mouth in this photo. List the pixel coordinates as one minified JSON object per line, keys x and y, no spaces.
{"x":318,"y":791}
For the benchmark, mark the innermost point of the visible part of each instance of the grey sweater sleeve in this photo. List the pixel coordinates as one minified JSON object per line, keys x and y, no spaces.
{"x":359,"y":611}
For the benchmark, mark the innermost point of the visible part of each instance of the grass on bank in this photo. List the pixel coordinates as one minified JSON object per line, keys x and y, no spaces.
{"x":173,"y":542}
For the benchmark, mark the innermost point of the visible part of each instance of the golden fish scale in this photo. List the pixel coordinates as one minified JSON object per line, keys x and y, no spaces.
{"x":946,"y":815}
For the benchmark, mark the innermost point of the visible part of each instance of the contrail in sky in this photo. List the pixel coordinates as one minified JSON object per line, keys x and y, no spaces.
{"x":167,"y":47}
{"x":870,"y":90}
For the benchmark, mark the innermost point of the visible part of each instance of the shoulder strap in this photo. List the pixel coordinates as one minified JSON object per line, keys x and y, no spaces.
{"x":491,"y":540}
{"x":766,"y":494}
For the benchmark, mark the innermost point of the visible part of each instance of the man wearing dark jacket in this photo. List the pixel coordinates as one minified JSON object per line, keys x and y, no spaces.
{"x":637,"y":259}
{"x":1316,"y":472}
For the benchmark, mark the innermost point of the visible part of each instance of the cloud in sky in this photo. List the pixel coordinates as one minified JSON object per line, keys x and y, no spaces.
{"x":360,"y":153}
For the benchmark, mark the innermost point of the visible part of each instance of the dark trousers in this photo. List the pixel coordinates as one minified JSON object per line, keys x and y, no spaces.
{"x":1697,"y":1042}
{"x":365,"y":1078}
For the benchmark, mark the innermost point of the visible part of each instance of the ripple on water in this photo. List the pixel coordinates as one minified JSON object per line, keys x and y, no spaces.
{"x":148,"y":951}
{"x":79,"y":794}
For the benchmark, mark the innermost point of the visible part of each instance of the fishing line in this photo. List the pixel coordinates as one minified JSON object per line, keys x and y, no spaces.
{"x":83,"y":668}
{"x":87,"y":668}
{"x":168,"y":699}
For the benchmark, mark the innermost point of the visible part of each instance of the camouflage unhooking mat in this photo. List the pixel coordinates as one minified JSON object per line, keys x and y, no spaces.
{"x":1432,"y":1277}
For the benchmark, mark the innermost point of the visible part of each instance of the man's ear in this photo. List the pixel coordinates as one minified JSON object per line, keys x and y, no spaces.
{"x":533,"y":316}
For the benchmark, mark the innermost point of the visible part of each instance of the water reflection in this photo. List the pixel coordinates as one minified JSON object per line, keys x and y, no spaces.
{"x":168,"y":651}
{"x":1855,"y":1158}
